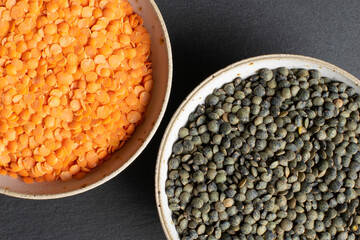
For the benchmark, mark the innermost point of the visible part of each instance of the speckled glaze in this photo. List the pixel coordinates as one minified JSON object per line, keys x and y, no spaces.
{"x":244,"y":69}
{"x":162,"y":74}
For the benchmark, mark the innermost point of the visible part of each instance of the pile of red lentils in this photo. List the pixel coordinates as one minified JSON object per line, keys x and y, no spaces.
{"x":75,"y":80}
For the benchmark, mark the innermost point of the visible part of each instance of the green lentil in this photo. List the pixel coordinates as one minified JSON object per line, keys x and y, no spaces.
{"x":274,"y":156}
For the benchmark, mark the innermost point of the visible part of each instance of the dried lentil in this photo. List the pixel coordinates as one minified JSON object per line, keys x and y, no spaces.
{"x":75,"y":80}
{"x":278,"y":158}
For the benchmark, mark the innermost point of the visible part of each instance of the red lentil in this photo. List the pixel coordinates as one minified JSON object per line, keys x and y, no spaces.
{"x":75,"y":78}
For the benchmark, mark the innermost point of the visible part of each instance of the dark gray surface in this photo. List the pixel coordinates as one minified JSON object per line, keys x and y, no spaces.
{"x":206,"y":36}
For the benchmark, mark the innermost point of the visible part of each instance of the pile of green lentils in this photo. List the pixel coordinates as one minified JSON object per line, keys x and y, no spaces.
{"x":275,"y":156}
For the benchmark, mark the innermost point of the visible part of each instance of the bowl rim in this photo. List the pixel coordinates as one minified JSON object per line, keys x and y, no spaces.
{"x":142,"y":147}
{"x":159,"y":192}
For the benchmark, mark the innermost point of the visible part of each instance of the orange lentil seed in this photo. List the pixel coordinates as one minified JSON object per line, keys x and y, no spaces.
{"x":28,"y":180}
{"x":75,"y":80}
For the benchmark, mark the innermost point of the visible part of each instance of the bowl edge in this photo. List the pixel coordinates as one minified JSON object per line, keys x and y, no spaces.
{"x":158,"y":191}
{"x":137,"y":153}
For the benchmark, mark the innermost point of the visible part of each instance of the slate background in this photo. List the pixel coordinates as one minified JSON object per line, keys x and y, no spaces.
{"x":206,"y":35}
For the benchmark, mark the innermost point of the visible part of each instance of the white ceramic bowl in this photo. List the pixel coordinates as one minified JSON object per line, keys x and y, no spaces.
{"x":162,"y":75}
{"x":243,"y":69}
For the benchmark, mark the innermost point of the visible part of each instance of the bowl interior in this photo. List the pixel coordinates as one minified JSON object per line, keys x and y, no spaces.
{"x":162,"y":73}
{"x":242,"y":69}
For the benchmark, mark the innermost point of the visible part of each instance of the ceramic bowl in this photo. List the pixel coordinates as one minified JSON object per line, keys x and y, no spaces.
{"x":243,"y":69}
{"x":162,"y":75}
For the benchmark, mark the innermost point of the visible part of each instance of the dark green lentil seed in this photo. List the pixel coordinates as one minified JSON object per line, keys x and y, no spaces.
{"x":276,"y":155}
{"x":266,"y":74}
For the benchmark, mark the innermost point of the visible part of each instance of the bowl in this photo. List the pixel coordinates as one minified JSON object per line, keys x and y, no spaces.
{"x":243,"y":69}
{"x":162,"y":74}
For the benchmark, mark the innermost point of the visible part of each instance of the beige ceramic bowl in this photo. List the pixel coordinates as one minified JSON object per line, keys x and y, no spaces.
{"x":162,"y":75}
{"x":244,"y":69}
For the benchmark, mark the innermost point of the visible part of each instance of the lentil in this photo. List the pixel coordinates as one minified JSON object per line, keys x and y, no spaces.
{"x":283,"y":164}
{"x":72,"y":93}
